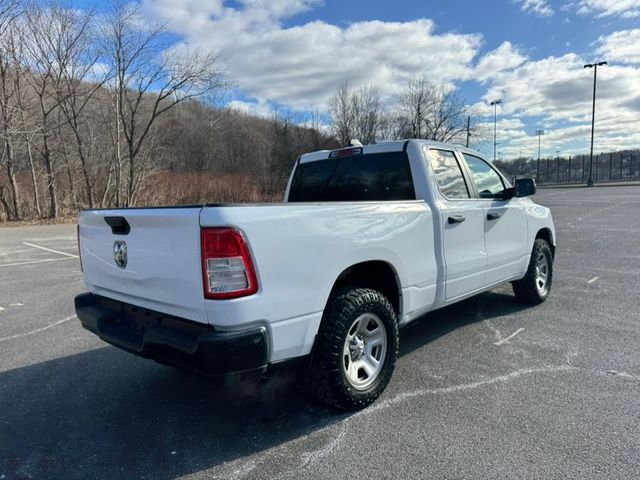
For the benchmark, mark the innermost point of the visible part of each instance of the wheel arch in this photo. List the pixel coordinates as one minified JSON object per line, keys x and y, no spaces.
{"x":377,"y":275}
{"x":547,"y":235}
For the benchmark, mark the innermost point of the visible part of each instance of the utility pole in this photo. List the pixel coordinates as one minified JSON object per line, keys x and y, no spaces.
{"x":495,"y":104}
{"x":468,"y":128}
{"x":539,"y":133}
{"x":593,"y":116}
{"x":610,"y":165}
{"x":546,"y":177}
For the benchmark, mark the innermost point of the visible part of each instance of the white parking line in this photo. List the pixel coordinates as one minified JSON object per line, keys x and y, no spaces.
{"x":31,"y":262}
{"x":49,"y":250}
{"x":505,"y":340}
{"x":37,"y":330}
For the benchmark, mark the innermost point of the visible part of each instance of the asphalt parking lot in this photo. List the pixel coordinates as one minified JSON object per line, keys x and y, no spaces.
{"x":484,"y":389}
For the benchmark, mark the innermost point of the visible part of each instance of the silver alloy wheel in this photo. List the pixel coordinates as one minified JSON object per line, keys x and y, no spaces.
{"x":542,"y":273}
{"x":365,"y":350}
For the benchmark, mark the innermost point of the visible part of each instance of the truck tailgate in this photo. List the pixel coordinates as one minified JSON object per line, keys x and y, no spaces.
{"x":162,"y":271}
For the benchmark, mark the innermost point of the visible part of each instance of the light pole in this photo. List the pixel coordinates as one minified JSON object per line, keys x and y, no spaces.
{"x":495,"y":104}
{"x":539,"y":133}
{"x":593,"y":116}
{"x":468,"y":130}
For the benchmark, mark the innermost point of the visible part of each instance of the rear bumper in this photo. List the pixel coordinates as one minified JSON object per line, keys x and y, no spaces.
{"x":171,"y":340}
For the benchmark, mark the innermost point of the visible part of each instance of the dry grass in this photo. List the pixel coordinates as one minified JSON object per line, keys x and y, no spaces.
{"x":160,"y":188}
{"x":172,"y":188}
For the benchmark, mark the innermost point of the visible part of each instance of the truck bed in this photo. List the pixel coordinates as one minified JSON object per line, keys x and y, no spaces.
{"x":298,"y":250}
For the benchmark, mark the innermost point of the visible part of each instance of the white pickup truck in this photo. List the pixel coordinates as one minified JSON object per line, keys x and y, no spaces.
{"x":367,"y":240}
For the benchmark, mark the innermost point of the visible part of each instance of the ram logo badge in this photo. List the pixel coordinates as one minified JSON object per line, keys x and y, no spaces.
{"x":120,"y":253}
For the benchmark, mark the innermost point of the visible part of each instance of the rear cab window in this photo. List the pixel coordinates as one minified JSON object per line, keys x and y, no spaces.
{"x":448,"y":174}
{"x":356,"y":178}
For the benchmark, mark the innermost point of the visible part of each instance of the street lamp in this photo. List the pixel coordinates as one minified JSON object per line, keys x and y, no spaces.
{"x":539,"y":133}
{"x":593,"y":116}
{"x":495,"y":104}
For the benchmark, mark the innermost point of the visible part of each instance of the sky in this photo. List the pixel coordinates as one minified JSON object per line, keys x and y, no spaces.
{"x":292,"y":54}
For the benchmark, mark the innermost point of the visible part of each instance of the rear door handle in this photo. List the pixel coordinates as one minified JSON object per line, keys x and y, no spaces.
{"x":493,"y":216}
{"x":456,"y":219}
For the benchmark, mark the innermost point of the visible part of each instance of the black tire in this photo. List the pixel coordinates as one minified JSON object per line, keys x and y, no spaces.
{"x":328,"y":380}
{"x":527,"y":289}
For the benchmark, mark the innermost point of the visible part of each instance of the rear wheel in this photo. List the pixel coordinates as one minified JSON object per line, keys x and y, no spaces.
{"x":356,"y":349}
{"x":534,"y":288}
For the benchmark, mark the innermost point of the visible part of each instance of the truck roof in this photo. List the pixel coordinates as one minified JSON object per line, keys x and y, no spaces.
{"x":387,"y":146}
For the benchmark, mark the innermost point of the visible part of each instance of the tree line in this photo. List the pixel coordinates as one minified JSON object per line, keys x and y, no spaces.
{"x":96,"y":112}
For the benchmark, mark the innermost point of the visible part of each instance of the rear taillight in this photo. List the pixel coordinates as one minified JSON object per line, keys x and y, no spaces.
{"x":227,"y":269}
{"x":79,"y":249}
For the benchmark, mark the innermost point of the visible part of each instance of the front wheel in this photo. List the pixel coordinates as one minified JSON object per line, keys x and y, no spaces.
{"x":535,"y":286}
{"x":356,"y":349}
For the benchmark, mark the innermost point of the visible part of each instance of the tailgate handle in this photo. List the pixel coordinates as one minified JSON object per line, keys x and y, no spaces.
{"x":119,"y":225}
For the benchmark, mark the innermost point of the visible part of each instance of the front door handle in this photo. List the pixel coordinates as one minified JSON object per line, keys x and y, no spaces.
{"x":493,"y":216}
{"x":456,"y":219}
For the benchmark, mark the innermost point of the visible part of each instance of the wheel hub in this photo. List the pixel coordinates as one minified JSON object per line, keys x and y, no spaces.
{"x":357,"y":347}
{"x":364,"y":351}
{"x":542,"y":273}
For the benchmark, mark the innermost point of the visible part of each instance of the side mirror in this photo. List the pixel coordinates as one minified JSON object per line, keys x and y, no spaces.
{"x":524,"y":187}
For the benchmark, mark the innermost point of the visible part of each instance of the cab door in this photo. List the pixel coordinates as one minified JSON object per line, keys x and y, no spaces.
{"x":505,"y":223}
{"x":462,"y":226}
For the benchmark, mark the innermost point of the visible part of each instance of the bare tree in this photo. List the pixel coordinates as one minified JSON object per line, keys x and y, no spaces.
{"x":53,"y":30}
{"x":414,"y":108}
{"x":160,"y":113}
{"x":9,"y":11}
{"x":425,"y":110}
{"x":368,"y":114}
{"x":9,"y":80}
{"x":449,"y":117}
{"x":356,"y":114}
{"x":343,"y":114}
{"x":28,"y":132}
{"x":79,"y":83}
{"x":148,"y":83}
{"x":8,"y":111}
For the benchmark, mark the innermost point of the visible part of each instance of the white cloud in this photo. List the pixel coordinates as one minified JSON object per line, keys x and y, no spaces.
{"x":259,"y":109}
{"x":622,"y":46}
{"x":300,"y":66}
{"x":555,"y":94}
{"x":606,"y":8}
{"x":505,"y":57}
{"x":537,"y":7}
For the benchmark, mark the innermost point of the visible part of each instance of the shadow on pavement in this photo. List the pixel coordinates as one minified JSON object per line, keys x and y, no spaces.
{"x":107,"y":414}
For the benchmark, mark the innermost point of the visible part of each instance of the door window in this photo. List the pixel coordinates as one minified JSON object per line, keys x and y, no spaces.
{"x":487,"y":180}
{"x":448,"y":174}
